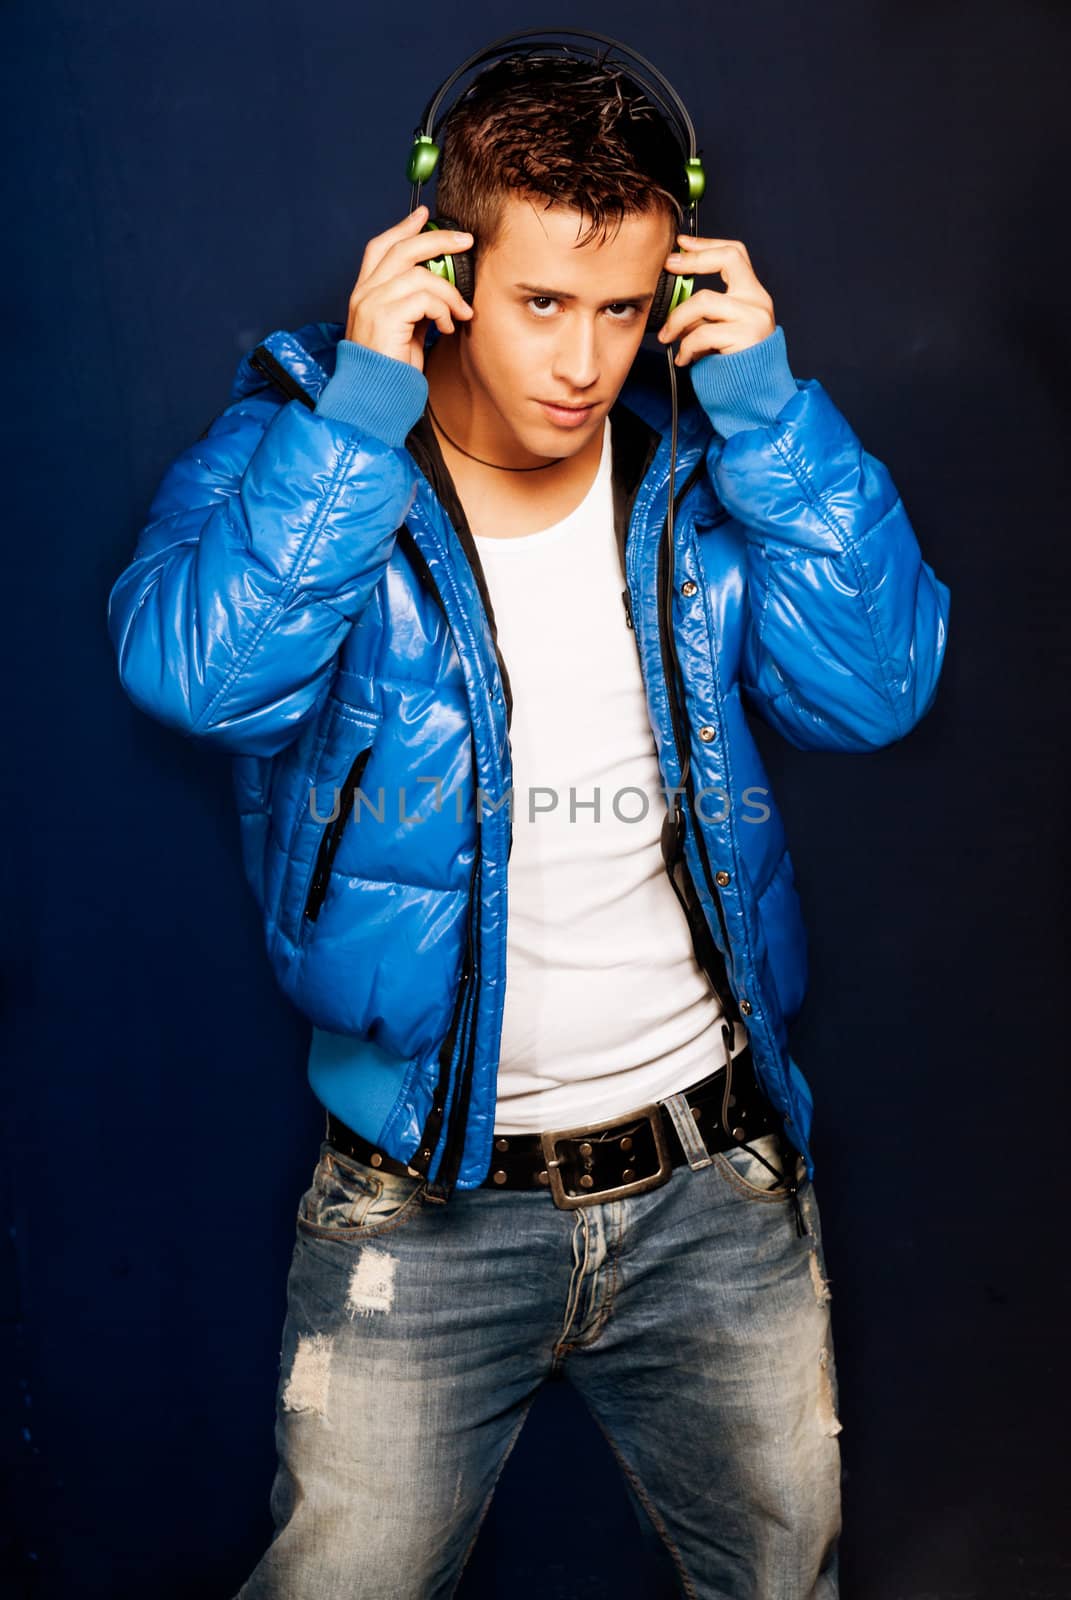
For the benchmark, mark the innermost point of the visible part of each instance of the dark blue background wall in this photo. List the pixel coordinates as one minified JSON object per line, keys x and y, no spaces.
{"x":182,"y":179}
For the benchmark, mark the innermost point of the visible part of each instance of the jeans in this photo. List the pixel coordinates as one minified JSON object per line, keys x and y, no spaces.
{"x":693,"y":1319}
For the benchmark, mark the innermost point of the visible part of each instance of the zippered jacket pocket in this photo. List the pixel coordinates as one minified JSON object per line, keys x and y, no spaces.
{"x":332,"y":836}
{"x":324,"y":794}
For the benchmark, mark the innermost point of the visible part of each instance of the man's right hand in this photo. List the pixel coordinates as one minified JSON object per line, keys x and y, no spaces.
{"x":395,"y":297}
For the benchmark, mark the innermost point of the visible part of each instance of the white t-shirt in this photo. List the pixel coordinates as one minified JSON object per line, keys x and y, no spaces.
{"x":606,"y":1006}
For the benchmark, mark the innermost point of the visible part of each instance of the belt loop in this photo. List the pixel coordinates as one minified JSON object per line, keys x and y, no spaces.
{"x":691,"y":1141}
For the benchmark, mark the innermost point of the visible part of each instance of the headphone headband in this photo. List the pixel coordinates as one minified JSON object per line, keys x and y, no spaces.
{"x":501,"y":47}
{"x":424,"y":154}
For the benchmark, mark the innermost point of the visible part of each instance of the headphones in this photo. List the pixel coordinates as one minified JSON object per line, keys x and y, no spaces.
{"x":672,"y":290}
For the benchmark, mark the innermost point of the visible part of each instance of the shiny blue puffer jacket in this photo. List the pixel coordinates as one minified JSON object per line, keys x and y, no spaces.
{"x":307,"y":596}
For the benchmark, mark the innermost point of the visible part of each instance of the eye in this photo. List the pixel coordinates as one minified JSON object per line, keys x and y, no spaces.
{"x":541,"y":304}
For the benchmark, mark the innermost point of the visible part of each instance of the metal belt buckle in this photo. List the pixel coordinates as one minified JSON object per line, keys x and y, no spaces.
{"x":569,"y":1202}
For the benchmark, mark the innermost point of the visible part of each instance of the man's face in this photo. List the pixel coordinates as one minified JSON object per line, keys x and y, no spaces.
{"x":558,"y":322}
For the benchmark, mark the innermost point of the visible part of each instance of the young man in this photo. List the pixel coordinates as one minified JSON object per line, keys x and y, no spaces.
{"x":564,"y":1133}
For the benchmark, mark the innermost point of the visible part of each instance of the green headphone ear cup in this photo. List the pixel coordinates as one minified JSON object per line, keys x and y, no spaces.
{"x":665,"y":289}
{"x":458,"y":268}
{"x":671,"y":291}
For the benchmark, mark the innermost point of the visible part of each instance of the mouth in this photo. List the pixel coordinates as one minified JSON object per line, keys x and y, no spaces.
{"x":566,"y":416}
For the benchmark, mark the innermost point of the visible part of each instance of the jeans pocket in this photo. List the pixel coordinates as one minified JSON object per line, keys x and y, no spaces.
{"x":747,"y":1174}
{"x":350,"y":1201}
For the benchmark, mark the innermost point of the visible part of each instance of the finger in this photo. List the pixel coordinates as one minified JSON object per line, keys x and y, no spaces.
{"x":411,"y":297}
{"x":420,"y":281}
{"x":727,"y":258}
{"x":697,"y":241}
{"x":415,"y":312}
{"x":380,"y":243}
{"x":710,"y":305}
{"x":692,"y":242}
{"x":724,"y":338}
{"x":408,"y":252}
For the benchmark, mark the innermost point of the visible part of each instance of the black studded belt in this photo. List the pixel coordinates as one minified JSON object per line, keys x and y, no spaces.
{"x":606,"y":1160}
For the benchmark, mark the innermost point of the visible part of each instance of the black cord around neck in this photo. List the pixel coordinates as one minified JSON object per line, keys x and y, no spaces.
{"x":541,"y":468}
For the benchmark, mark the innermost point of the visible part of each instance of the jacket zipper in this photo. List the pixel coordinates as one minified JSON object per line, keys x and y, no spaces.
{"x":730,"y":1007}
{"x":671,"y":674}
{"x":276,"y":373}
{"x":455,"y":1131}
{"x":457,"y":1127}
{"x":332,"y":837}
{"x":429,"y":1136}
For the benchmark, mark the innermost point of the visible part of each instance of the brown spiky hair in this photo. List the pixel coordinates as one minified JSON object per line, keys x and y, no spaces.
{"x":578,"y":132}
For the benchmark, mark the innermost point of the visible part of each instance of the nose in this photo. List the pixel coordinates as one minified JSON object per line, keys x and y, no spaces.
{"x":576,"y":359}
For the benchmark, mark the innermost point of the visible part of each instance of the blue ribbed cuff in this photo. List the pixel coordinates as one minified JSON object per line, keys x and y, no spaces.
{"x":747,"y":388}
{"x":374,"y":393}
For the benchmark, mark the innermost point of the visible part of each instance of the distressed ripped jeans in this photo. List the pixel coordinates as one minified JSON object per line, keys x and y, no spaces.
{"x":693,"y":1319}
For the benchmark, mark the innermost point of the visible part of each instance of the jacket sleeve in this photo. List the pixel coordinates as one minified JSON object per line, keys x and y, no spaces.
{"x":263,"y":543}
{"x":847,"y":625}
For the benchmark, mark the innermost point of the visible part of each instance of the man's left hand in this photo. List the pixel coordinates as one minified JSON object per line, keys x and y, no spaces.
{"x":712,"y":319}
